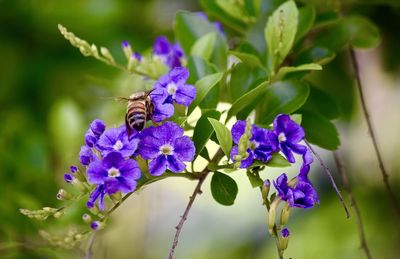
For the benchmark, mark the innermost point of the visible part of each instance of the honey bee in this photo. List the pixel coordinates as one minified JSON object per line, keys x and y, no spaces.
{"x":139,"y":110}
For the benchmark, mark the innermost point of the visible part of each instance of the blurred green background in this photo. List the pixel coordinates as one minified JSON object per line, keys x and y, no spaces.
{"x":50,"y":93}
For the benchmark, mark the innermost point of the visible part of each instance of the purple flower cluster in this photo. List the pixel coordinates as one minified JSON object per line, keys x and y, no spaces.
{"x":106,"y":154}
{"x":171,"y":88}
{"x":170,"y":54}
{"x":285,"y":137}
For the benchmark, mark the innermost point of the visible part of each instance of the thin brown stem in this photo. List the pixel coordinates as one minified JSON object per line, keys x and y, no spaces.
{"x":353,"y":203}
{"x":384,"y":173}
{"x":329,"y":174}
{"x":197,"y":190}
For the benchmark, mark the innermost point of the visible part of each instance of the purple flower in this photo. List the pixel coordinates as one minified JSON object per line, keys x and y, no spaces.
{"x":73,"y":169}
{"x":170,"y":54}
{"x":95,"y":130}
{"x":289,"y":135}
{"x":303,"y":195}
{"x":86,"y":155}
{"x":263,"y":143}
{"x":117,"y":139}
{"x":68,"y":178}
{"x":171,"y":88}
{"x":112,"y":174}
{"x":136,"y":55}
{"x":285,"y":232}
{"x":166,"y":147}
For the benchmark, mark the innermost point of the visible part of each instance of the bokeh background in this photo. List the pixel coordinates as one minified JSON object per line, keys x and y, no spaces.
{"x":49,"y":94}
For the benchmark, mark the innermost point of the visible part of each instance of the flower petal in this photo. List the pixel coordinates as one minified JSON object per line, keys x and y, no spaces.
{"x":113,"y":159}
{"x":149,"y":147}
{"x":179,"y":75}
{"x":184,"y":149}
{"x":287,"y":152}
{"x":158,"y":166}
{"x":174,"y":164}
{"x":161,"y":46}
{"x":238,"y":130}
{"x":168,"y":132}
{"x":163,"y":111}
{"x":130,"y":170}
{"x":185,"y":94}
{"x":97,"y":173}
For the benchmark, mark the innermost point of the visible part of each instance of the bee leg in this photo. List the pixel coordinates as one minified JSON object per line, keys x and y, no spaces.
{"x":155,"y":123}
{"x":128,"y":127}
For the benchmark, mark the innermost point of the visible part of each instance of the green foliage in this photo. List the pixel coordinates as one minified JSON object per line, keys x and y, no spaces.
{"x":203,"y":130}
{"x":223,"y":135}
{"x":223,"y":188}
{"x":320,"y":131}
{"x":280,"y":33}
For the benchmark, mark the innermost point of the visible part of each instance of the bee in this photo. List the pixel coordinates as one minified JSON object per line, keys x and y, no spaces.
{"x":139,"y":110}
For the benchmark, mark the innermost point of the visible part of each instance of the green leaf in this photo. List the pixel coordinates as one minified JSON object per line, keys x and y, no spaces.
{"x":199,"y":68}
{"x":242,"y":80}
{"x":316,"y":54}
{"x":204,"y":46}
{"x":362,"y":32}
{"x":322,"y":103}
{"x":246,"y":99}
{"x":203,"y":86}
{"x":223,"y":188}
{"x":247,"y":58}
{"x":306,"y":20}
{"x":283,"y":97}
{"x":278,"y":160}
{"x":320,"y":131}
{"x":255,"y":180}
{"x":223,"y":135}
{"x":280,"y":33}
{"x":203,"y":130}
{"x":214,"y":10}
{"x":283,"y":71}
{"x":189,"y":27}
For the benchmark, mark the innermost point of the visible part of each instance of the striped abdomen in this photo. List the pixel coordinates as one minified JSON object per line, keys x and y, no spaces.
{"x":136,"y":114}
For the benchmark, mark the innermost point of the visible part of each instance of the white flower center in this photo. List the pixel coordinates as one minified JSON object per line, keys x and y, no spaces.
{"x":118,"y":145}
{"x":166,"y":149}
{"x":281,"y":137}
{"x":254,"y":145}
{"x":171,"y":88}
{"x":113,"y":172}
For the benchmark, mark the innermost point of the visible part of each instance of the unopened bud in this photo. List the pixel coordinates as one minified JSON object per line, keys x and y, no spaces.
{"x":106,"y":53}
{"x":96,"y":225}
{"x":285,"y":214}
{"x":265,"y":189}
{"x":58,"y":214}
{"x":87,"y":218}
{"x":284,"y":239}
{"x":63,"y":195}
{"x":116,"y":196}
{"x":272,"y":215}
{"x":126,"y":47}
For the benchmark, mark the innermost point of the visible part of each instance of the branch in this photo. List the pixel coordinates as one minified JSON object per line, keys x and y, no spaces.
{"x":88,"y":252}
{"x":385,"y":176}
{"x":353,"y":203}
{"x":197,"y":190}
{"x":329,"y":174}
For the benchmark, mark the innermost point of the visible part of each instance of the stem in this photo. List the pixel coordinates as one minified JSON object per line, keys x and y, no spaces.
{"x":353,"y":203}
{"x":329,"y":174}
{"x":89,"y":253}
{"x":189,"y":176}
{"x":197,"y":190}
{"x":385,"y":175}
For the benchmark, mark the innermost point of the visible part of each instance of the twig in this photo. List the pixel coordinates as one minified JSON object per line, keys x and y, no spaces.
{"x":353,"y":203}
{"x":197,"y":190}
{"x":385,"y":175}
{"x":88,"y":252}
{"x":329,"y":174}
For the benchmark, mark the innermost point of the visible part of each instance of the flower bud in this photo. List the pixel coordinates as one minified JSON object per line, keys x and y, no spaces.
{"x":96,"y":225}
{"x":285,"y":214}
{"x":265,"y":189}
{"x":126,"y":47}
{"x":272,"y":215}
{"x":58,"y":214}
{"x":116,"y":196}
{"x":284,"y":239}
{"x":63,"y":195}
{"x":87,"y":218}
{"x":73,"y":169}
